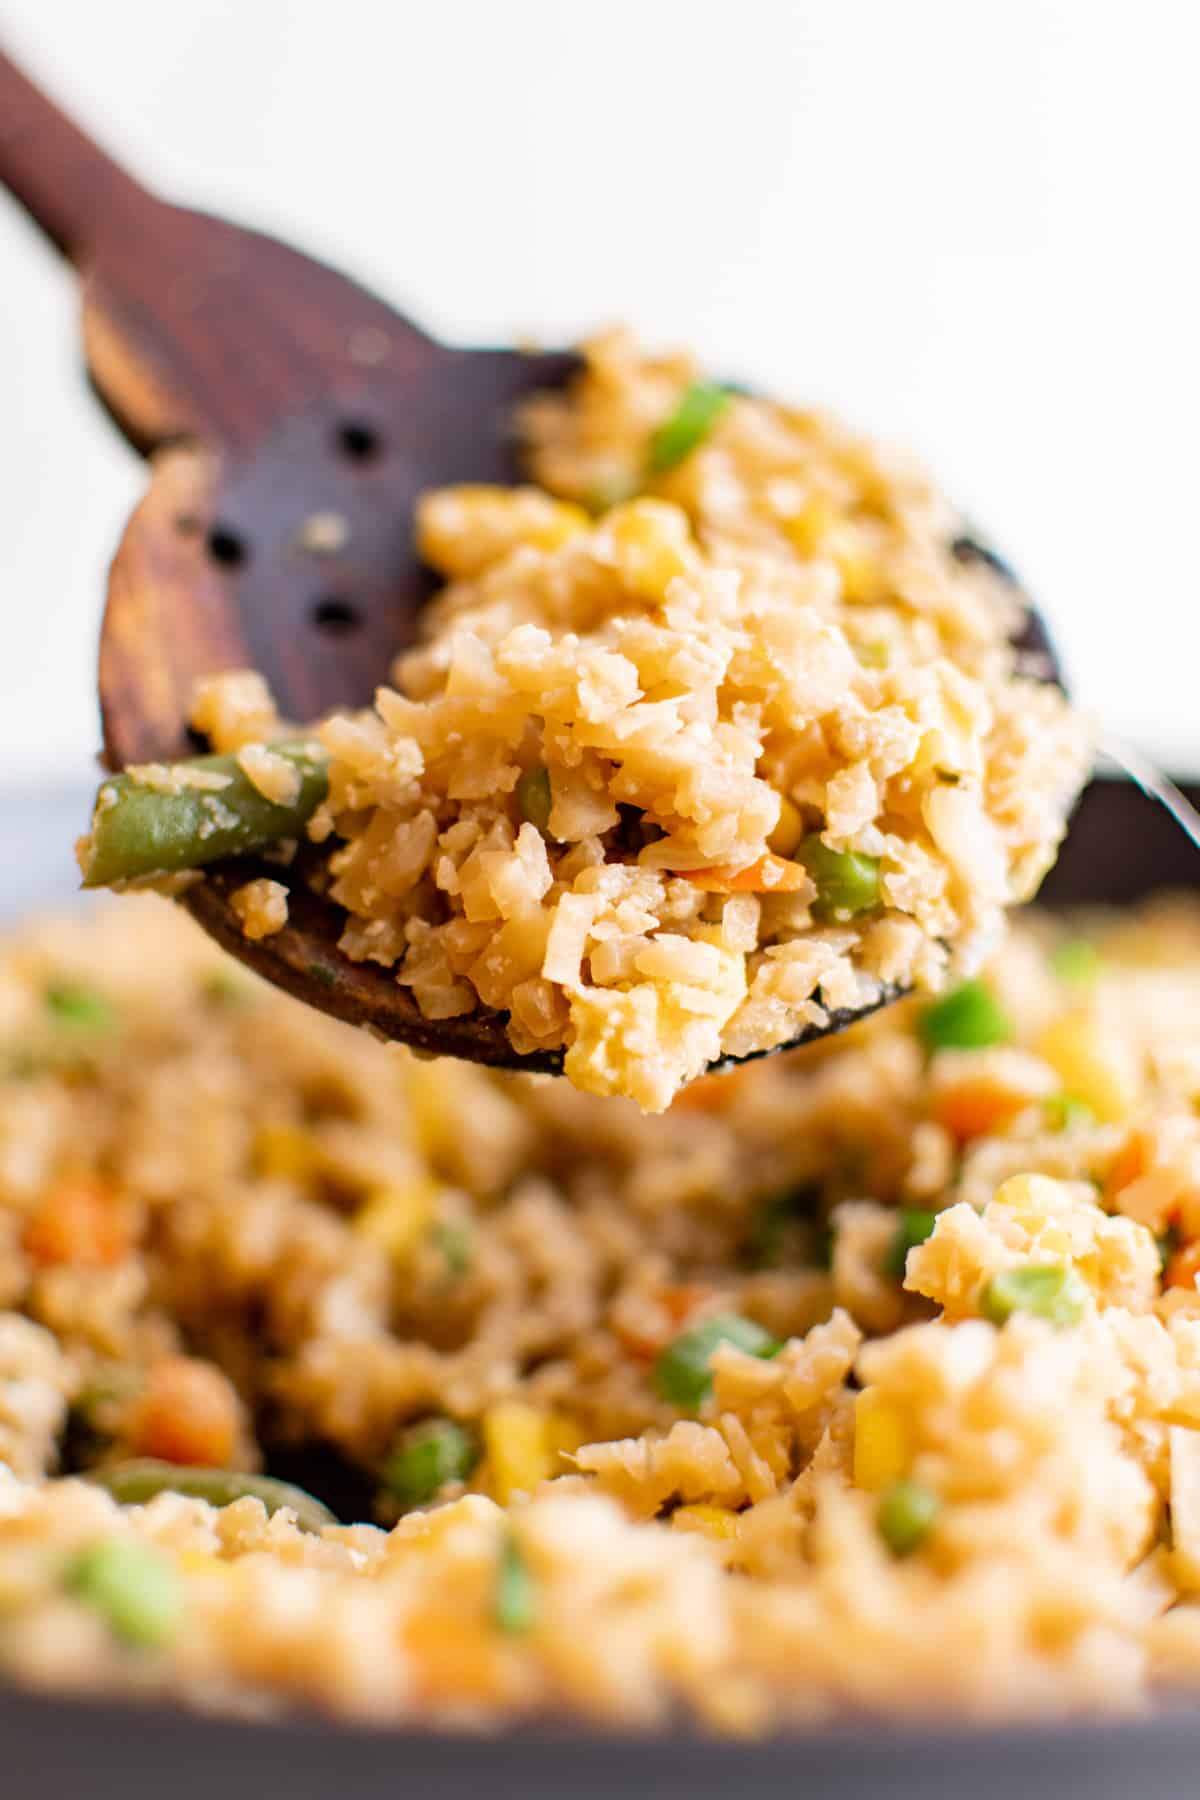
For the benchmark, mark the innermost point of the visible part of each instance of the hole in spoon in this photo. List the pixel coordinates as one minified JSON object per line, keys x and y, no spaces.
{"x":358,"y":441}
{"x":335,"y":615}
{"x":226,"y":547}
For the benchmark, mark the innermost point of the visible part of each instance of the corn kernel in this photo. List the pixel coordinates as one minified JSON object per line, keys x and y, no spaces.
{"x":1091,"y":1066}
{"x":788,"y":832}
{"x":881,"y":1442}
{"x":517,"y":1442}
{"x":564,"y":1434}
{"x":860,"y":575}
{"x":285,"y":1153}
{"x":809,"y":528}
{"x":651,"y":545}
{"x":710,"y":1521}
{"x":397,"y":1218}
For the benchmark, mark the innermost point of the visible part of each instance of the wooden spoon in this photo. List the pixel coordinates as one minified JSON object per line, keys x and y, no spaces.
{"x":291,"y":419}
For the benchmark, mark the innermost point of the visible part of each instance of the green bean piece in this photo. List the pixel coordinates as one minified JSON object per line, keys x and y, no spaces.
{"x":134,"y":1589}
{"x":699,"y":408}
{"x":78,"y":1007}
{"x":513,"y":1607}
{"x":428,"y":1456}
{"x":906,"y":1512}
{"x":136,"y":1482}
{"x":847,"y":882}
{"x":682,"y":1372}
{"x":912,"y":1228}
{"x":141,"y":830}
{"x":1052,"y":1291}
{"x":534,"y":797}
{"x":968,"y":1018}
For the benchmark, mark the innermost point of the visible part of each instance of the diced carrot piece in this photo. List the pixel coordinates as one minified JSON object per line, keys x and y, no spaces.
{"x":80,"y":1221}
{"x":1128,"y":1165}
{"x":974,"y":1107}
{"x":1183,"y":1267}
{"x":769,"y":875}
{"x":187,"y":1413}
{"x":676,"y":1305}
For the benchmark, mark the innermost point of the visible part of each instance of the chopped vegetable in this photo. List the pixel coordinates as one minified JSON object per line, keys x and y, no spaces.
{"x":134,"y":1589}
{"x":768,"y":875}
{"x":906,"y":1513}
{"x":1092,"y":1063}
{"x":454,"y":1242}
{"x":81,"y":1221}
{"x":882,"y":1448}
{"x":1076,"y":961}
{"x":698,"y":410}
{"x":968,"y":1018}
{"x":1183,"y":1267}
{"x":187,"y":1413}
{"x":136,"y":1482}
{"x":847,"y":882}
{"x":1051,"y":1291}
{"x":913,"y":1227}
{"x":974,"y":1105}
{"x":682,"y":1372}
{"x":142,"y":828}
{"x":517,"y":1443}
{"x":79,"y":1006}
{"x":1064,"y":1112}
{"x":427,"y":1457}
{"x":514,"y":1597}
{"x":534,"y":797}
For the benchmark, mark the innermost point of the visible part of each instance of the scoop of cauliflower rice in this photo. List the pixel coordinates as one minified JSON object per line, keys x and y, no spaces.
{"x":862,"y":1380}
{"x":718,"y":729}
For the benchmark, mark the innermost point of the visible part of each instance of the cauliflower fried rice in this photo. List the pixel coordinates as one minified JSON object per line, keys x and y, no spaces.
{"x":866,"y":1378}
{"x":718,"y":729}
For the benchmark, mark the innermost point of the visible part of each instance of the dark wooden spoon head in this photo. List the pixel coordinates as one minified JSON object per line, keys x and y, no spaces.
{"x":292,"y":419}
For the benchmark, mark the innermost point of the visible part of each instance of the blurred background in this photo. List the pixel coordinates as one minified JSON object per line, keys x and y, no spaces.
{"x":967,"y":224}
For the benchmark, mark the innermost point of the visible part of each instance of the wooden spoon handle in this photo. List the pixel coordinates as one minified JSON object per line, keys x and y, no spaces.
{"x":68,"y":185}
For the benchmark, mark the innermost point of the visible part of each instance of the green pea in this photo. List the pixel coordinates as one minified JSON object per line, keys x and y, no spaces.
{"x":906,"y":1513}
{"x":847,"y":882}
{"x":1076,"y":961}
{"x":912,"y":1228}
{"x":699,"y":408}
{"x":82,"y":1007}
{"x":534,"y":797}
{"x":1051,"y":1291}
{"x":133,"y":1588}
{"x":428,"y":1456}
{"x":968,"y":1018}
{"x":682,"y":1372}
{"x":1062,"y":1111}
{"x":514,"y":1602}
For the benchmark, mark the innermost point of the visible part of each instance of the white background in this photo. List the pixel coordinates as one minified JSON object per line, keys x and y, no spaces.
{"x":967,"y":223}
